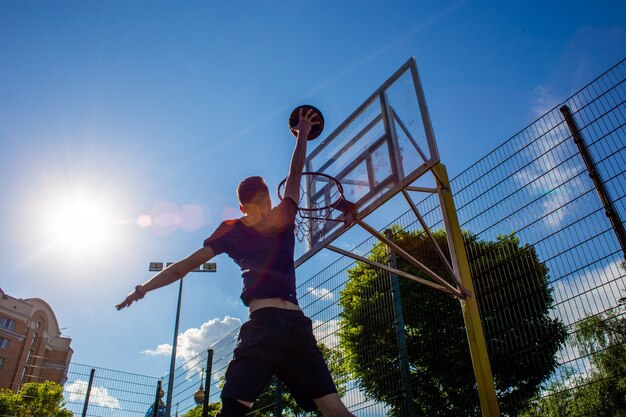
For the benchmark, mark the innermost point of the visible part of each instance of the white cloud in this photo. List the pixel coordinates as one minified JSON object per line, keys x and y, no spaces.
{"x":547,"y":175}
{"x":193,"y":341}
{"x":161,"y":350}
{"x":588,"y":293}
{"x":196,"y":340}
{"x":76,"y":391}
{"x":542,"y":101}
{"x":554,"y":216}
{"x":326,"y":332}
{"x":356,"y":400}
{"x":321,"y":293}
{"x":591,"y":292}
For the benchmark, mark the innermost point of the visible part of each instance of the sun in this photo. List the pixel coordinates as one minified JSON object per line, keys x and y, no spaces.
{"x":79,"y":225}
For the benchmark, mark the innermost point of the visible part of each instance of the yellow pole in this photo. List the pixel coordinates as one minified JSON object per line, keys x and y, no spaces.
{"x":469,"y":306}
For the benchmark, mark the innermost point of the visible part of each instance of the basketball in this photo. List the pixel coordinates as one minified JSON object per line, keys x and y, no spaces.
{"x":316,"y":129}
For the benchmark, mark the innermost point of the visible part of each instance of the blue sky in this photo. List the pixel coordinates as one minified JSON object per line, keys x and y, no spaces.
{"x":114,"y":111}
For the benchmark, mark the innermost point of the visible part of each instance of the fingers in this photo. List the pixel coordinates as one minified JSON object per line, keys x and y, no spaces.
{"x":307,"y":118}
{"x":310,"y":115}
{"x":128,"y":301}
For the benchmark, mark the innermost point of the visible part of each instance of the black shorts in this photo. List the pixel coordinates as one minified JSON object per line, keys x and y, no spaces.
{"x":278,"y":342}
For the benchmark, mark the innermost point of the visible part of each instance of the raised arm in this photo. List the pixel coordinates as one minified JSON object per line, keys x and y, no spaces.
{"x":292,"y":185}
{"x":170,"y":274}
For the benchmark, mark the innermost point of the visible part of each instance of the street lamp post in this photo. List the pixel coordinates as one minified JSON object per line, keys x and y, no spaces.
{"x":156,"y":267}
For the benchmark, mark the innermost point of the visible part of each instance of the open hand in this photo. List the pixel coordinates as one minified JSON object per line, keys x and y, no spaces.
{"x":131,"y":298}
{"x":305,"y":122}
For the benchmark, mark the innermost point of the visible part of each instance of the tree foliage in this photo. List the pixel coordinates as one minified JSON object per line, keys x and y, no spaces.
{"x":34,"y":400}
{"x":514,"y":298}
{"x":197,"y":411}
{"x":600,"y":392}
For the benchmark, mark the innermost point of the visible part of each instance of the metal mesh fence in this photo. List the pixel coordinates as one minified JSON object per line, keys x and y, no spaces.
{"x":112,"y":392}
{"x":547,"y":267}
{"x":545,"y":259}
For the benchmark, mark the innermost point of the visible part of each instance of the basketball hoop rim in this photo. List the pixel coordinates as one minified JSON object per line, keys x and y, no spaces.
{"x":332,"y":205}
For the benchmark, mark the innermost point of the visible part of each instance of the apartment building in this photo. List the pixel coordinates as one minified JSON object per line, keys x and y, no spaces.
{"x":32,"y":348}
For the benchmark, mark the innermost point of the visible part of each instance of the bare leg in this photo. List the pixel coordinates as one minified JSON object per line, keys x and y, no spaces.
{"x":331,"y":406}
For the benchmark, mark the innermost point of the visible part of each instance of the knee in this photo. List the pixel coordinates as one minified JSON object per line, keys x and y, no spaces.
{"x":232,"y":408}
{"x":331,"y":406}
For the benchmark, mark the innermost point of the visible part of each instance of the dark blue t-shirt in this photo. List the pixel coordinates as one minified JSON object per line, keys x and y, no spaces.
{"x":264,"y":252}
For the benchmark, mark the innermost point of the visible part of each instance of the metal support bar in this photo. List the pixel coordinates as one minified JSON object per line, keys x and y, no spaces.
{"x":421,"y":189}
{"x":421,"y":99}
{"x":611,"y":213}
{"x":469,"y":305}
{"x":88,"y":394}
{"x":427,"y":230}
{"x":411,"y":259}
{"x":170,"y":380}
{"x":389,"y":269}
{"x":398,"y":314}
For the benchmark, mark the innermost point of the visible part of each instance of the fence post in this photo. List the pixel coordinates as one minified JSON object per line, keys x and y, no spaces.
{"x":88,"y":394}
{"x":611,"y":213}
{"x":278,"y":405}
{"x":207,"y":383}
{"x":157,"y":397}
{"x":398,"y":320}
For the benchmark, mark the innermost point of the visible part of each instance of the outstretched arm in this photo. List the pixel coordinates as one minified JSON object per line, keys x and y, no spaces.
{"x":170,"y":274}
{"x":292,"y":185}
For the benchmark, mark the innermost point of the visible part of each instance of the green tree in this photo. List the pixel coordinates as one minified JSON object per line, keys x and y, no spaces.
{"x":9,"y":401}
{"x":34,"y":400}
{"x":514,"y":299}
{"x":197,"y":411}
{"x":601,"y":392}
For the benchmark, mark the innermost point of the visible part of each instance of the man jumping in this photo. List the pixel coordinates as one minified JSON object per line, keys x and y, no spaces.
{"x":278,"y":338}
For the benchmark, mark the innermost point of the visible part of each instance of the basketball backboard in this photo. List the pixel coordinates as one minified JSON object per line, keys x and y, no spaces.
{"x":381,"y":148}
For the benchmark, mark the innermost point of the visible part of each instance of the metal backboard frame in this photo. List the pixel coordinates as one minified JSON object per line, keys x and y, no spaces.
{"x":386,"y":144}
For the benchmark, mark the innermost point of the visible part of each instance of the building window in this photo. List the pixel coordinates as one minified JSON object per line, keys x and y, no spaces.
{"x":38,"y":324}
{"x":7,"y":323}
{"x":29,"y":357}
{"x":4,"y":343}
{"x":34,"y":340}
{"x":24,"y":374}
{"x":1,"y":362}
